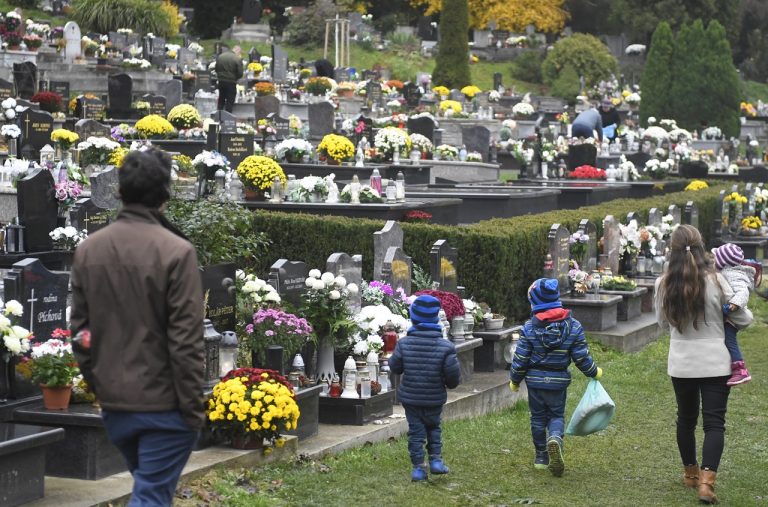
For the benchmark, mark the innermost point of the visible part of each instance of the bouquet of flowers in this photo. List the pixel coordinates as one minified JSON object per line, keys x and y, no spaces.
{"x":752,"y":223}
{"x":250,"y":402}
{"x":15,"y":339}
{"x":371,"y":321}
{"x":587,"y":172}
{"x":184,"y":116}
{"x":337,"y":147}
{"x":649,"y":237}
{"x":64,"y":138}
{"x":52,"y":363}
{"x":255,"y":67}
{"x":633,"y":99}
{"x":122,"y":132}
{"x":580,"y":280}
{"x":67,"y":238}
{"x":474,"y":156}
{"x":712,"y":133}
{"x":96,"y":150}
{"x":295,"y":125}
{"x":421,"y":143}
{"x":629,"y":167}
{"x":761,"y":200}
{"x":155,"y":126}
{"x":318,"y":86}
{"x":368,"y":195}
{"x":747,"y":109}
{"x":658,"y":169}
{"x":325,"y":305}
{"x":523,"y":110}
{"x":417,"y":216}
{"x":390,"y":140}
{"x":494,"y":96}
{"x":309,"y":186}
{"x":577,"y":245}
{"x":447,"y":152}
{"x":451,"y":304}
{"x":734,"y":201}
{"x":630,"y":238}
{"x":271,"y":326}
{"x":264,"y":88}
{"x":618,"y":283}
{"x":292,"y":149}
{"x":67,"y":192}
{"x":10,"y":131}
{"x":259,"y":172}
{"x":450,"y":107}
{"x":470,"y":91}
{"x":209,"y":162}
{"x":136,"y":63}
{"x":376,"y":292}
{"x":441,"y":91}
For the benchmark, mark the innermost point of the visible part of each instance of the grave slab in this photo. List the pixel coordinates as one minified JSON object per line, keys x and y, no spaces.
{"x":596,"y":313}
{"x":631,"y":305}
{"x":490,"y":356}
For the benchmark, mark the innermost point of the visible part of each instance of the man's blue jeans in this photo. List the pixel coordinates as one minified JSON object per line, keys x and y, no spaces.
{"x":424,"y":424}
{"x":547,"y":415}
{"x":156,"y":446}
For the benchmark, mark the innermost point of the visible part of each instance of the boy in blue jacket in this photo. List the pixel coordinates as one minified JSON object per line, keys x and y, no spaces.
{"x":428,"y":365}
{"x":549,"y":341}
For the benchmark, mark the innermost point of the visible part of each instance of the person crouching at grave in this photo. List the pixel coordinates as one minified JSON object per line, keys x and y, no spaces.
{"x":588,"y":124}
{"x":428,"y":364}
{"x":229,"y":68}
{"x":137,"y":318}
{"x":549,"y":341}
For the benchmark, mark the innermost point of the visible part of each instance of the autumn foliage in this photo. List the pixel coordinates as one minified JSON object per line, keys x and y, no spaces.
{"x":512,"y":15}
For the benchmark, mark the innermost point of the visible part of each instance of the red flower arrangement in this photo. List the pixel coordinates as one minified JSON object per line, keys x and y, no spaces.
{"x":417,"y":216}
{"x":255,"y":376}
{"x":450,"y":302}
{"x":49,"y":101}
{"x":587,"y":172}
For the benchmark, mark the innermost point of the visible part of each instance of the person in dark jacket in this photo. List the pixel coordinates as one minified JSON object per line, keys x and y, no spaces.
{"x":229,"y":68}
{"x":137,"y":315}
{"x":428,"y":364}
{"x":609,"y":116}
{"x":549,"y":341}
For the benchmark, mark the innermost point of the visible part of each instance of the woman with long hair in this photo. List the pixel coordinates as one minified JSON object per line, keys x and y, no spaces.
{"x":689,"y":298}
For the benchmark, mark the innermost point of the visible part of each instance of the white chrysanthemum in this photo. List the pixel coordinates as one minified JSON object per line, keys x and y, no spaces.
{"x":340,"y":282}
{"x":353,"y":288}
{"x":309,"y":282}
{"x":315,"y":273}
{"x":14,"y":308}
{"x":272,"y":297}
{"x":327,"y":278}
{"x":250,"y":286}
{"x":334,"y":294}
{"x":318,"y":284}
{"x":360,"y":348}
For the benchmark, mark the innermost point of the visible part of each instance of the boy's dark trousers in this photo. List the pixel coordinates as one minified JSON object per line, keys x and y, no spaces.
{"x":547,"y":415}
{"x":424,"y":424}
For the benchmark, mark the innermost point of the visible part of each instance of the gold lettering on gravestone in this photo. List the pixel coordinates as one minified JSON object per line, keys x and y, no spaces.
{"x":237,"y":146}
{"x":218,"y":312}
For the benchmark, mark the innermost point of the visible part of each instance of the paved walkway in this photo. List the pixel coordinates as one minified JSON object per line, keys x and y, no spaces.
{"x":486,"y":392}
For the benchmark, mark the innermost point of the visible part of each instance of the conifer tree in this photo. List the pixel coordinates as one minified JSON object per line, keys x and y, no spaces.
{"x":452,"y":62}
{"x":722,"y":81}
{"x":689,"y":92}
{"x":657,"y":75}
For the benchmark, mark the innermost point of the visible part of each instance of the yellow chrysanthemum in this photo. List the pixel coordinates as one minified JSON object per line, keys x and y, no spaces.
{"x":259,"y":172}
{"x":336,"y":147}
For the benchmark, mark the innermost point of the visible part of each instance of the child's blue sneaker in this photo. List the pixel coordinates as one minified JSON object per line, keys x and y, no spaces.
{"x":437,"y":466}
{"x":555,"y":452}
{"x":541,"y":462}
{"x":419,"y":473}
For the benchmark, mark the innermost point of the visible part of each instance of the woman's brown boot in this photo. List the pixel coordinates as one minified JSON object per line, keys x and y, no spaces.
{"x":691,"y":476}
{"x":707,"y":486}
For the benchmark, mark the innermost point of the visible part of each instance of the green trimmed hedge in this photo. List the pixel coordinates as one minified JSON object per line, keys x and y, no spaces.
{"x":498,"y":259}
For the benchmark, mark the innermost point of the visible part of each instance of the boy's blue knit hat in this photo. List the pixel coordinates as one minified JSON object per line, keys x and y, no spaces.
{"x":544,"y":294}
{"x":425,"y":310}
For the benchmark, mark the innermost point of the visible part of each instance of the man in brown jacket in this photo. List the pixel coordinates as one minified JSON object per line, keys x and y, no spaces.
{"x":137,"y":315}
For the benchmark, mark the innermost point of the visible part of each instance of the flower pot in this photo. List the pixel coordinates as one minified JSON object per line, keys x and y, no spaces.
{"x":345,"y":93}
{"x":628,"y":264}
{"x":56,"y":398}
{"x":249,"y":441}
{"x":332,"y":161}
{"x":251,"y":194}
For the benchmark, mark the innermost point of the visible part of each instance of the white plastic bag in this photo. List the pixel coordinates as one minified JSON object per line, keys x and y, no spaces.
{"x":593,"y":413}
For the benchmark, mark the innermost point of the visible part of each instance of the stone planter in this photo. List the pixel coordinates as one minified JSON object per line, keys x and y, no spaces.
{"x":631,"y":305}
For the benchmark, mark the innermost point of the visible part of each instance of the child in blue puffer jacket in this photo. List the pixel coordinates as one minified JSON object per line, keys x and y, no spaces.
{"x":428,"y":364}
{"x":549,"y":341}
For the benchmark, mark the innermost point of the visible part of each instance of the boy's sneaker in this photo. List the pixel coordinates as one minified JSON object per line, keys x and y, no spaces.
{"x":739,"y":374}
{"x":437,"y":466}
{"x":419,"y":473}
{"x":555,"y":452}
{"x":542,"y":460}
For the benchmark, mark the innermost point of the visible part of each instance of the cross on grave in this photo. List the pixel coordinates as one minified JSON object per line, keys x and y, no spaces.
{"x":560,"y":250}
{"x":32,"y":300}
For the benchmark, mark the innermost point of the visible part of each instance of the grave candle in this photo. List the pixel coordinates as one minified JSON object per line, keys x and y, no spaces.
{"x":350,"y":376}
{"x":400,"y":187}
{"x":391,"y":192}
{"x":376,"y":181}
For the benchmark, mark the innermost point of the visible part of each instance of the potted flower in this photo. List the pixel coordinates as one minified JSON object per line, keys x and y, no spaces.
{"x":658,"y":169}
{"x":580,"y":282}
{"x":587,"y":172}
{"x":750,"y":226}
{"x":32,"y":41}
{"x":64,"y":139}
{"x":449,"y":302}
{"x":154,"y":126}
{"x":441,"y":91}
{"x":255,"y":68}
{"x":258,"y":173}
{"x":577,"y":245}
{"x":417,"y":216}
{"x":422,"y":144}
{"x":208,"y":162}
{"x":52,"y":366}
{"x":391,"y":140}
{"x":273,"y":326}
{"x":470,"y":91}
{"x":346,"y":89}
{"x":137,"y":64}
{"x":696,"y":185}
{"x":630,"y":244}
{"x":450,"y":108}
{"x":310,"y":189}
{"x":184,"y":116}
{"x":250,"y":406}
{"x":377,"y":292}
{"x":13,"y":39}
{"x":368,"y":195}
{"x":336,"y":148}
{"x":372,"y":322}
{"x":264,"y":88}
{"x":317,"y":86}
{"x":253,"y":294}
{"x":446,"y":152}
{"x":49,"y":101}
{"x":293,"y":150}
{"x":618,"y":283}
{"x":184,"y":166}
{"x":14,"y":343}
{"x":67,"y":238}
{"x":96,"y":150}
{"x":523,"y":111}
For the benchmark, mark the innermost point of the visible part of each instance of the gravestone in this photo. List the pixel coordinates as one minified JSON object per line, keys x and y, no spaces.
{"x":119,"y":40}
{"x":120,"y":92}
{"x":72,"y":38}
{"x":633,"y":215}
{"x":321,"y":119}
{"x":340,"y":74}
{"x":654,"y":217}
{"x":279,"y":64}
{"x":91,"y":128}
{"x":91,"y":108}
{"x":396,"y":269}
{"x":60,"y":87}
{"x":254,"y":55}
{"x":477,"y":138}
{"x":157,"y":104}
{"x":391,"y":235}
{"x":588,"y":227}
{"x":749,"y":193}
{"x":288,"y":278}
{"x":691,"y":214}
{"x":482,"y":38}
{"x":6,"y":89}
{"x":351,"y":268}
{"x":560,"y":250}
{"x":36,"y":128}
{"x":423,"y":125}
{"x":411,"y":94}
{"x":266,"y":105}
{"x":674,"y":210}
{"x":444,"y":263}
{"x":497,"y":81}
{"x":456,"y":95}
{"x":227,"y":120}
{"x":171,"y":90}
{"x":86,"y":215}
{"x":235,"y":146}
{"x":104,"y":185}
{"x":611,"y":243}
{"x":43,"y":295}
{"x":38,"y":209}
{"x":156,"y":54}
{"x":25,"y":77}
{"x":280,"y":124}
{"x":374,"y":94}
{"x":202,"y":80}
{"x":367,"y":131}
{"x":186,"y":59}
{"x":219,"y":295}
{"x":251,"y":11}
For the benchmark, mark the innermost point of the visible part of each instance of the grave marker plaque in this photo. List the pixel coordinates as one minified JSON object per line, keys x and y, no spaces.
{"x":266,"y":105}
{"x":560,"y":250}
{"x":396,"y":269}
{"x":91,"y":128}
{"x":219,"y":295}
{"x":390,"y":235}
{"x":120,"y":92}
{"x":235,"y":146}
{"x":25,"y":77}
{"x":90,"y":108}
{"x":157,"y":105}
{"x":279,"y":63}
{"x":60,"y":87}
{"x":444,"y":263}
{"x":281,"y":125}
{"x":202,"y":80}
{"x":477,"y":138}
{"x":289,"y":279}
{"x":104,"y":185}
{"x":374,"y":96}
{"x":321,"y":119}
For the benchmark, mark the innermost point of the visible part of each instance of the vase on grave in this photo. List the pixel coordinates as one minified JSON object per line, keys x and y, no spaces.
{"x":325,"y":362}
{"x":7,"y":378}
{"x":56,"y":398}
{"x":628,"y":264}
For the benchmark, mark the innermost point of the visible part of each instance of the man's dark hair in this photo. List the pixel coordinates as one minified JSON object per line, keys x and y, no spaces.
{"x":145,"y":178}
{"x":324,"y":68}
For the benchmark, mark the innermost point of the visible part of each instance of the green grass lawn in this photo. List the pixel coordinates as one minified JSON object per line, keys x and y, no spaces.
{"x":632,"y":463}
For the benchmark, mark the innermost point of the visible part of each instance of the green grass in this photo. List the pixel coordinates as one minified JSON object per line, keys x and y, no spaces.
{"x":754,"y":91}
{"x":633,"y":462}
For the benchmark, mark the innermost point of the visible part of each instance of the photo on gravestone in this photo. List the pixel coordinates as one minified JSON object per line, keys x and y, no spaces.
{"x":6,"y":89}
{"x":36,"y":128}
{"x":397,"y":269}
{"x":38,"y":209}
{"x":280,"y":124}
{"x":85,"y":215}
{"x":351,"y":268}
{"x":588,"y":227}
{"x":104,"y":185}
{"x":611,"y":244}
{"x":289,"y":279}
{"x":171,"y":90}
{"x":157,"y":104}
{"x":25,"y":77}
{"x":266,"y":105}
{"x":235,"y":147}
{"x":444,"y":263}
{"x":321,"y":119}
{"x":120,"y":94}
{"x":91,"y":128}
{"x":477,"y":139}
{"x":43,"y":295}
{"x":423,"y":125}
{"x":390,"y":235}
{"x":560,"y":250}
{"x":219,"y":295}
{"x":374,"y":95}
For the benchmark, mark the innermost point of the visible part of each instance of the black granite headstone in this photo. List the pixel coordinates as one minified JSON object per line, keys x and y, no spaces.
{"x":6,"y":89}
{"x":321,"y":119}
{"x":90,"y":108}
{"x":254,"y":55}
{"x":157,"y":104}
{"x":251,"y":11}
{"x":120,"y":92}
{"x":280,"y":124}
{"x":219,"y":295}
{"x":38,"y":209}
{"x":423,"y":125}
{"x":226,"y":120}
{"x":279,"y":63}
{"x":86,"y":215}
{"x":411,"y":94}
{"x":158,"y":52}
{"x":60,"y":87}
{"x":202,"y":80}
{"x":235,"y":146}
{"x":36,"y":128}
{"x":25,"y":76}
{"x":288,"y":278}
{"x":42,"y":293}
{"x":266,"y":105}
{"x":477,"y":138}
{"x":374,"y":94}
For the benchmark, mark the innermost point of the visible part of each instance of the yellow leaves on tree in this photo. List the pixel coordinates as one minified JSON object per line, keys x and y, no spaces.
{"x":512,"y":15}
